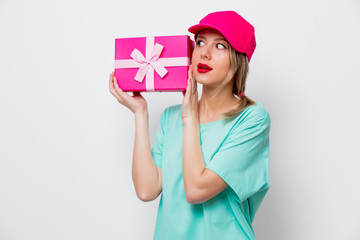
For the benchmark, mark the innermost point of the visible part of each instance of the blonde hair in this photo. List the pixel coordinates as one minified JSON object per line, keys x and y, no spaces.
{"x":239,"y":68}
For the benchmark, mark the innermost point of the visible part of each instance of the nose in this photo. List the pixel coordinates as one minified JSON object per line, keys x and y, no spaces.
{"x":205,"y":53}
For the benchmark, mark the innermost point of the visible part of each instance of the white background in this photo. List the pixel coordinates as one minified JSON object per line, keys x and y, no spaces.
{"x":66,"y":143}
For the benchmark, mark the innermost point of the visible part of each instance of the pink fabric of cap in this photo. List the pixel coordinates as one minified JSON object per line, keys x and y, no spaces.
{"x":239,"y":32}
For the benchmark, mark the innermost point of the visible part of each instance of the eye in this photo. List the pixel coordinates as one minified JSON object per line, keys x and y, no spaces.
{"x":220,"y":46}
{"x":200,"y":43}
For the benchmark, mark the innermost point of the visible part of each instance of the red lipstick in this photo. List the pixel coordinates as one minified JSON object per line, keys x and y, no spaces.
{"x":203,"y":68}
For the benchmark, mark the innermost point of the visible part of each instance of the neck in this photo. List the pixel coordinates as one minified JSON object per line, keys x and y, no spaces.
{"x":214,"y":103}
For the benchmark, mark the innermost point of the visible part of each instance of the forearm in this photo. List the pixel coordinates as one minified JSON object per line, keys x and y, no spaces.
{"x":193,"y":163}
{"x":201,"y":184}
{"x":145,"y":173}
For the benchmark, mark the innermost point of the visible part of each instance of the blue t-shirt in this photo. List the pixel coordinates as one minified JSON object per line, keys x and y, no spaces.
{"x":238,"y":151}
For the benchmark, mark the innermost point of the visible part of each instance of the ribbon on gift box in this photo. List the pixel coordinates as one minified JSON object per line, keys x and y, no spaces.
{"x":151,"y":63}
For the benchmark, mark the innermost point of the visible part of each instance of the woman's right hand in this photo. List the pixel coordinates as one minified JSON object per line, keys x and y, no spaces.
{"x":136,"y":103}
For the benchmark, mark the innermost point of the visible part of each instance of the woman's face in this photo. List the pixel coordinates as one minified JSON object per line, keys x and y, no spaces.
{"x":210,"y":58}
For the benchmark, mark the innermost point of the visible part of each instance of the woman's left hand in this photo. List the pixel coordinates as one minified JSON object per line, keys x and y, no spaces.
{"x":190,"y":102}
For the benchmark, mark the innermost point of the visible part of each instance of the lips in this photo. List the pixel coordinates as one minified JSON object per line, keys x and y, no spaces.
{"x":203,"y":68}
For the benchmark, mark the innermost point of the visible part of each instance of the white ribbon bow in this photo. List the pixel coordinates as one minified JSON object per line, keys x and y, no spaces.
{"x":151,"y":61}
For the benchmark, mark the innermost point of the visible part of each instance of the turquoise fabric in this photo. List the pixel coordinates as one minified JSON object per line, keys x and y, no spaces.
{"x":238,"y":151}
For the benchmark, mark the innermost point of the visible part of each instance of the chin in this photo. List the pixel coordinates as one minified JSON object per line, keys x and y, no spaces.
{"x":200,"y":79}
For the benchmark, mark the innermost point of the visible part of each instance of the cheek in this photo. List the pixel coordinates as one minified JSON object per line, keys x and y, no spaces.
{"x":193,"y":68}
{"x":194,"y":61}
{"x":225,"y":62}
{"x":194,"y":55}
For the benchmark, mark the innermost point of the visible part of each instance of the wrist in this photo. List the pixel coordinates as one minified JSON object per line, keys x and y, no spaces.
{"x":190,"y":121}
{"x":141,"y":114}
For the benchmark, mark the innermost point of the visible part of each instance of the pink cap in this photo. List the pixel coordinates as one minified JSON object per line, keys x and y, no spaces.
{"x":239,"y":32}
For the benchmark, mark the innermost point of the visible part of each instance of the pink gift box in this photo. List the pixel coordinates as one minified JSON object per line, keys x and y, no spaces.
{"x":153,"y":63}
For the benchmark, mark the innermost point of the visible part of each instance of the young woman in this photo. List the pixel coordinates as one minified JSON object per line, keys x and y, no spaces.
{"x":210,"y":157}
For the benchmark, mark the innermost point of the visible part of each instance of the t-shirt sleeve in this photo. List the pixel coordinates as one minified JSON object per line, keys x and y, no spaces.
{"x":242,"y":161}
{"x":157,"y":148}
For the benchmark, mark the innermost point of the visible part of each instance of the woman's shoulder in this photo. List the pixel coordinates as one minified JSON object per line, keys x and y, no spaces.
{"x":172,"y":110}
{"x":257,"y":109}
{"x":172,"y":113}
{"x":256,"y":113}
